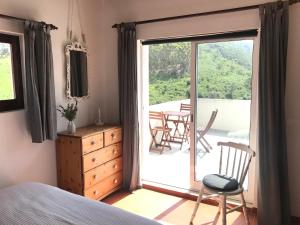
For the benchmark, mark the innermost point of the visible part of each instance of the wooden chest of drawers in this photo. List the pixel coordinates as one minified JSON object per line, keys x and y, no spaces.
{"x":89,"y":162}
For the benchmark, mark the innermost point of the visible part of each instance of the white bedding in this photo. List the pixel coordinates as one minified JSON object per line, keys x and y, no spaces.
{"x":35,"y":203}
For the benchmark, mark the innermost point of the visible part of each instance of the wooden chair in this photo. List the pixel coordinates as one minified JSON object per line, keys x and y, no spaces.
{"x":185,"y":107}
{"x":233,"y":168}
{"x":160,"y":127}
{"x":202,"y":132}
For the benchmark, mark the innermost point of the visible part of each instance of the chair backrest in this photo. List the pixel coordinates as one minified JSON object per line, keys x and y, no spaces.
{"x":156,"y":116}
{"x":210,"y":122}
{"x":235,"y":160}
{"x":185,"y":107}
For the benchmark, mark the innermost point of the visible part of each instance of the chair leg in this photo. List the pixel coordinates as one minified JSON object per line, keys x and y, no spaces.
{"x":224,"y":210}
{"x":220,"y":204}
{"x":206,"y":142}
{"x":168,"y":138}
{"x":163,"y":142}
{"x":204,"y":146}
{"x":153,"y":142}
{"x":197,"y":205}
{"x":245,"y":209}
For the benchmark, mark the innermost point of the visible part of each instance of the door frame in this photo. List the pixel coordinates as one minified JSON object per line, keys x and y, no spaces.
{"x":143,"y":104}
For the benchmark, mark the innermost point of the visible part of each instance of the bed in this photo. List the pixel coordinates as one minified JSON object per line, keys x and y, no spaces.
{"x":35,"y":203}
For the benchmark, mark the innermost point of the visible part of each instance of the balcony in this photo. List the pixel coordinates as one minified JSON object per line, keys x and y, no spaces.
{"x":172,"y":167}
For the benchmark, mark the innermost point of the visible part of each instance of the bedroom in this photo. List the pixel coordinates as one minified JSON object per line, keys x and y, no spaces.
{"x":21,"y":160}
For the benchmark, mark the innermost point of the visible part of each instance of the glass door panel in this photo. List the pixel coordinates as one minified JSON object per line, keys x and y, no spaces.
{"x":222,"y":101}
{"x":166,"y":89}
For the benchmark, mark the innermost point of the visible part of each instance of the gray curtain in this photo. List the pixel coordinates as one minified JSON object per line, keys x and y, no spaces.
{"x":273,"y":196}
{"x":40,"y":93}
{"x":127,"y":67}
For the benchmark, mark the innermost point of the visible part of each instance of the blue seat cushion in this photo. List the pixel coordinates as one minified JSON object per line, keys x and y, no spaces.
{"x":220,"y":182}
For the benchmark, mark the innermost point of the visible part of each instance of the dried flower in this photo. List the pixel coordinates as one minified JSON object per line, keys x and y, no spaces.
{"x":69,"y":112}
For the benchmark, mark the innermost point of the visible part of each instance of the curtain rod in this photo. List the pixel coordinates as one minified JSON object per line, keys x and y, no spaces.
{"x":200,"y":14}
{"x":52,"y":27}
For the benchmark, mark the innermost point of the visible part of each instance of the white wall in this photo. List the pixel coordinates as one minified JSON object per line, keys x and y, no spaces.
{"x":20,"y":160}
{"x":233,"y":115}
{"x":133,"y":10}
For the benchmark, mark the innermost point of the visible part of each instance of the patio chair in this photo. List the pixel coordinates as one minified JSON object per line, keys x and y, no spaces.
{"x":233,"y":169}
{"x":185,"y":107}
{"x":158,"y":119}
{"x":202,"y":132}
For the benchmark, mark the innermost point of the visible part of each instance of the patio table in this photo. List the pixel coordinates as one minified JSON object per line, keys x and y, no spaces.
{"x":178,"y":117}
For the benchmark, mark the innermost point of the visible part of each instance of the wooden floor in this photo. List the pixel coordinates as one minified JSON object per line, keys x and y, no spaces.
{"x":169,"y":209}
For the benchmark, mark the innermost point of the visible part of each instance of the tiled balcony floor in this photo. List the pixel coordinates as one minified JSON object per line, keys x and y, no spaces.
{"x":172,"y":167}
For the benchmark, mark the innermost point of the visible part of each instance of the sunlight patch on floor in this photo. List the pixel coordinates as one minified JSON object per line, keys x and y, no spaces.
{"x":147,"y":203}
{"x":152,"y":205}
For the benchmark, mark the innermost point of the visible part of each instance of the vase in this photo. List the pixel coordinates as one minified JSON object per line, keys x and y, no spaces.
{"x":71,"y":127}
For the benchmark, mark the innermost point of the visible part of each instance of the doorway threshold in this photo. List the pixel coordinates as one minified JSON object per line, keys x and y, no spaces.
{"x":170,"y":190}
{"x":187,"y":194}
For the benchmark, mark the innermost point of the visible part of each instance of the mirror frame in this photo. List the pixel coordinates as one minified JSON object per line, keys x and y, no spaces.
{"x":75,"y":46}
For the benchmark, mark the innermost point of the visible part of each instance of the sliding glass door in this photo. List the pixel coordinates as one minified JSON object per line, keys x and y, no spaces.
{"x":217,"y":80}
{"x":224,"y":104}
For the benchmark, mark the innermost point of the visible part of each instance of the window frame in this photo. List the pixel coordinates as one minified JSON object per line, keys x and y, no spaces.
{"x":18,"y":102}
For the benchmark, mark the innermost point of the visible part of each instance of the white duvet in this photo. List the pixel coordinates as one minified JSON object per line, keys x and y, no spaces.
{"x":35,"y":203}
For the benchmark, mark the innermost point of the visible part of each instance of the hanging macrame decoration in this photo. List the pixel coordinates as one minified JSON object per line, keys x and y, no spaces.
{"x":71,"y":36}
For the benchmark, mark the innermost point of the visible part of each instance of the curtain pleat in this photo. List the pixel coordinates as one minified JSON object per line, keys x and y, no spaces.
{"x":128,"y":104}
{"x":40,"y":92}
{"x":273,"y":191}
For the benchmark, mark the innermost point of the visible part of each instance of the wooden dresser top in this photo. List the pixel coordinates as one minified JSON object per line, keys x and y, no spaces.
{"x":87,"y":131}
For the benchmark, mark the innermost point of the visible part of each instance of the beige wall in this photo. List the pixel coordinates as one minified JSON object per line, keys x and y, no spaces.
{"x":134,"y":10}
{"x":20,"y":160}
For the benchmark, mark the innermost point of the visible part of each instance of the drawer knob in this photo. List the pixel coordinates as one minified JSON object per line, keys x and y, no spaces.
{"x":94,"y":176}
{"x":96,"y":192}
{"x":112,"y":135}
{"x":114,"y":151}
{"x":115,"y":181}
{"x":115,"y":166}
{"x":93,"y":159}
{"x":92,"y":142}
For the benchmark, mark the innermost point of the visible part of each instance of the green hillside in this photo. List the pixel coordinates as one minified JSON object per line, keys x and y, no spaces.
{"x":224,"y":71}
{"x":6,"y":87}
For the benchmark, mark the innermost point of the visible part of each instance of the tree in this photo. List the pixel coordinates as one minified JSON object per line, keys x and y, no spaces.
{"x":224,"y":71}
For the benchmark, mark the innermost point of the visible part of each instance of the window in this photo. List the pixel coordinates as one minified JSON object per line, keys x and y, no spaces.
{"x":11,"y":88}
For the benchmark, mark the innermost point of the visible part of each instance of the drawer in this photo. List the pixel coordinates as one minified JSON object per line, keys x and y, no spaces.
{"x":101,"y":156}
{"x":98,"y":174}
{"x":112,"y":136}
{"x":105,"y":187}
{"x":92,"y":143}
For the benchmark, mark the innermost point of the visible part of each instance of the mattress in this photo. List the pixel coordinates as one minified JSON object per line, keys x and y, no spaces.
{"x":35,"y":203}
